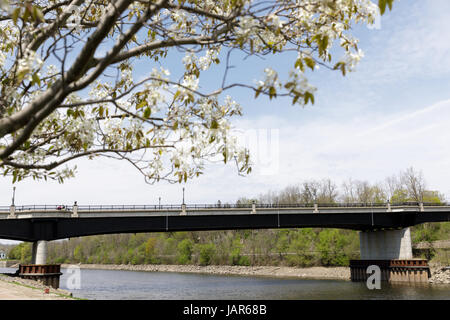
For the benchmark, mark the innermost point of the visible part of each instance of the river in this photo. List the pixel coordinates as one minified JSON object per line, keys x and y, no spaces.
{"x":139,"y":285}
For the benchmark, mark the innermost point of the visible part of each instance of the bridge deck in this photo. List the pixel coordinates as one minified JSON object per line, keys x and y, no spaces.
{"x":36,"y":223}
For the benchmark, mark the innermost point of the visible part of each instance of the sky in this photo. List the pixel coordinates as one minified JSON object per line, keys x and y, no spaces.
{"x":392,"y":113}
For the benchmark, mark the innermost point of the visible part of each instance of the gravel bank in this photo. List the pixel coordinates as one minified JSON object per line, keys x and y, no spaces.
{"x":13,"y":288}
{"x":440,"y":275}
{"x":340,"y":273}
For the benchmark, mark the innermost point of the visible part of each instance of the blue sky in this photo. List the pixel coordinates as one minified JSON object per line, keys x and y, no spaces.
{"x":392,"y":113}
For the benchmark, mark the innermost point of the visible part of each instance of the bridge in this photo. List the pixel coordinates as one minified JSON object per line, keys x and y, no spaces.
{"x":384,"y":228}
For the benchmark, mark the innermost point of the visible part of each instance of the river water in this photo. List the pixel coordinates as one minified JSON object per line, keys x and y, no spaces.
{"x":140,"y":285}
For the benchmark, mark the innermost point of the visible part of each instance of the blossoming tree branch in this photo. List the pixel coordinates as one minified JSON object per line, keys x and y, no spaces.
{"x":69,"y":87}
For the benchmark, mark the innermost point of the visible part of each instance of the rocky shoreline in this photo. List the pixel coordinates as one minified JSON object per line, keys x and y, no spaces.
{"x":439,"y":275}
{"x":336,"y":273}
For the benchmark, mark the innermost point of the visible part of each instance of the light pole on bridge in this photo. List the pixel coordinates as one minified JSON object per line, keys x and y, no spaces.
{"x":183,"y":196}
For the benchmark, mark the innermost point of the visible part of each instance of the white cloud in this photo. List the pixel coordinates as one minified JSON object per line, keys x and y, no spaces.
{"x":364,"y":147}
{"x":412,"y":42}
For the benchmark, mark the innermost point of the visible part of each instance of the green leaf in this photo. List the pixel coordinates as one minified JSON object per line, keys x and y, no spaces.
{"x":322,"y":44}
{"x":37,"y":14}
{"x":214,"y":124}
{"x":309,"y":96}
{"x":390,"y":2}
{"x":36,"y":79}
{"x":147,"y":113}
{"x":382,"y":6}
{"x":272,"y":92}
{"x":289,"y":85}
{"x":299,"y":65}
{"x":310,"y":62}
{"x":15,"y":15}
{"x":341,"y":66}
{"x":141,"y":104}
{"x":26,"y":14}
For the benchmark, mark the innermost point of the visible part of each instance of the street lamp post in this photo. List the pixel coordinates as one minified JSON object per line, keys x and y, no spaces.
{"x":159,"y":202}
{"x":183,"y":195}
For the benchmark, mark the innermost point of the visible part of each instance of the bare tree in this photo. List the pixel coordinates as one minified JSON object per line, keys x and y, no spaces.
{"x":414,"y":182}
{"x":349,"y":191}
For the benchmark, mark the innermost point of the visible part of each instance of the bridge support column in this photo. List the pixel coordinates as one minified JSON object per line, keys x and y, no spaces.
{"x":39,"y":270}
{"x":391,"y":251}
{"x":39,"y":254}
{"x":385,"y":244}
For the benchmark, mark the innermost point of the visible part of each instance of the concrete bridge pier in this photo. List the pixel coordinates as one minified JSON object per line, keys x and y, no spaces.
{"x":39,"y":270}
{"x":385,"y":244}
{"x":39,"y":253}
{"x":391,"y":251}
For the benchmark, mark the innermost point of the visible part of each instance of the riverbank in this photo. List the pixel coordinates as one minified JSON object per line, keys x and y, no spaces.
{"x":440,"y":275}
{"x":335,"y":273}
{"x":14,"y":288}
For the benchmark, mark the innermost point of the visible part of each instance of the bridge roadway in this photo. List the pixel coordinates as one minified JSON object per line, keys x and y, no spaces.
{"x":33,"y":223}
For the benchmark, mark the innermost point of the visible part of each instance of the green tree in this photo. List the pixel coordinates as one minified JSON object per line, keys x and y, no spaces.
{"x":150,"y":250}
{"x":331,"y":248}
{"x":78,"y":254}
{"x":185,"y":249}
{"x":206,"y":253}
{"x":400,"y":196}
{"x":235,"y":253}
{"x":21,"y":252}
{"x":302,"y":245}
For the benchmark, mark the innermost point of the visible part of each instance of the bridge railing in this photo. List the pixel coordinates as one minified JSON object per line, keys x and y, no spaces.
{"x":97,"y":208}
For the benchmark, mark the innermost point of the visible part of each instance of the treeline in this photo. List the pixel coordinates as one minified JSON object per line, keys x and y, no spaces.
{"x":406,"y":186}
{"x":299,"y":247}
{"x":287,"y":247}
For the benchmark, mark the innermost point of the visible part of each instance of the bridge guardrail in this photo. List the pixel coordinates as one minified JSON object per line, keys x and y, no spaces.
{"x":96,"y":208}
